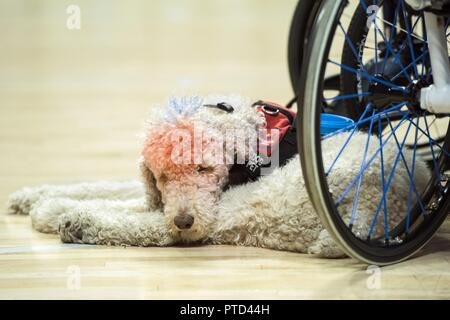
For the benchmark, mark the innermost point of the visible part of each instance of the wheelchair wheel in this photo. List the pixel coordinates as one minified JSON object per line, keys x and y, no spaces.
{"x":380,"y":200}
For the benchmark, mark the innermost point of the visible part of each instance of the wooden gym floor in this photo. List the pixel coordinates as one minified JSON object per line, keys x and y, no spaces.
{"x":71,"y":105}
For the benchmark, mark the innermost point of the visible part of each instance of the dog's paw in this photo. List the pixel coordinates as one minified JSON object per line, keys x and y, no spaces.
{"x":21,"y":202}
{"x":326,"y":247}
{"x":45,"y":212}
{"x":73,"y":229}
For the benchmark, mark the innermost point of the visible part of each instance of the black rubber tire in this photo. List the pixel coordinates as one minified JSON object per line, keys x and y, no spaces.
{"x":298,"y":37}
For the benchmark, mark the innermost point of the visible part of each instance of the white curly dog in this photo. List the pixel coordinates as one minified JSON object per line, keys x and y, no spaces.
{"x":187,"y":202}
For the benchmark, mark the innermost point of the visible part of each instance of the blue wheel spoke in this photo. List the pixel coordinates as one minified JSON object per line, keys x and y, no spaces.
{"x":386,"y":187}
{"x":406,"y":43}
{"x":383,"y":183}
{"x":352,"y":46}
{"x":408,"y":210}
{"x":363,"y":4}
{"x":432,"y":141}
{"x":391,"y":36}
{"x":352,"y":183}
{"x":368,"y":107}
{"x":364,"y":121}
{"x":394,"y":54}
{"x":414,"y":63}
{"x":348,"y":96}
{"x":389,"y":48}
{"x":376,"y":40}
{"x":405,"y":163}
{"x":363,"y":162}
{"x":410,"y":44}
{"x":368,"y":76}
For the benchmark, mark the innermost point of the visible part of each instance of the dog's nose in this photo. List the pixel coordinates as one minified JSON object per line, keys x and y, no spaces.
{"x":184,"y":221}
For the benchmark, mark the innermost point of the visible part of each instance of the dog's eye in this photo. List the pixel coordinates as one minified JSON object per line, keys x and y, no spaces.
{"x":202,"y":169}
{"x":162,"y":178}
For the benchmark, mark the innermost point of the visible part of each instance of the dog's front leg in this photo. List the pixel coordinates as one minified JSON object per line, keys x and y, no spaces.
{"x":45,"y":212}
{"x":97,"y":225}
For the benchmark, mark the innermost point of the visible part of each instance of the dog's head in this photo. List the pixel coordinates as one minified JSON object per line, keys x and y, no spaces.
{"x":186,"y":170}
{"x":186,"y":159}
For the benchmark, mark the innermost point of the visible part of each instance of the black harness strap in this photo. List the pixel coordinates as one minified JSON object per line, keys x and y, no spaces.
{"x":286,"y":148}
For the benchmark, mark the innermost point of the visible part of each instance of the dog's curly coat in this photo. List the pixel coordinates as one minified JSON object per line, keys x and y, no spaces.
{"x":273,"y":212}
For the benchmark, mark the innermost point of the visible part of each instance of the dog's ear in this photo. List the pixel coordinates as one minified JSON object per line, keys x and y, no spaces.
{"x":152,"y":192}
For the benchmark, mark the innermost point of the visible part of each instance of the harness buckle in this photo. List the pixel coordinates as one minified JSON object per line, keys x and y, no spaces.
{"x":270,"y":110}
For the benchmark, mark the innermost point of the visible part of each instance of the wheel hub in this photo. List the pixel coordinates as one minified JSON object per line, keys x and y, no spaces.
{"x":384,"y":97}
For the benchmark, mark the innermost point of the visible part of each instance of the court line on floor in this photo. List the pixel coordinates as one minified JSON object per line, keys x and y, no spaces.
{"x":43,"y":248}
